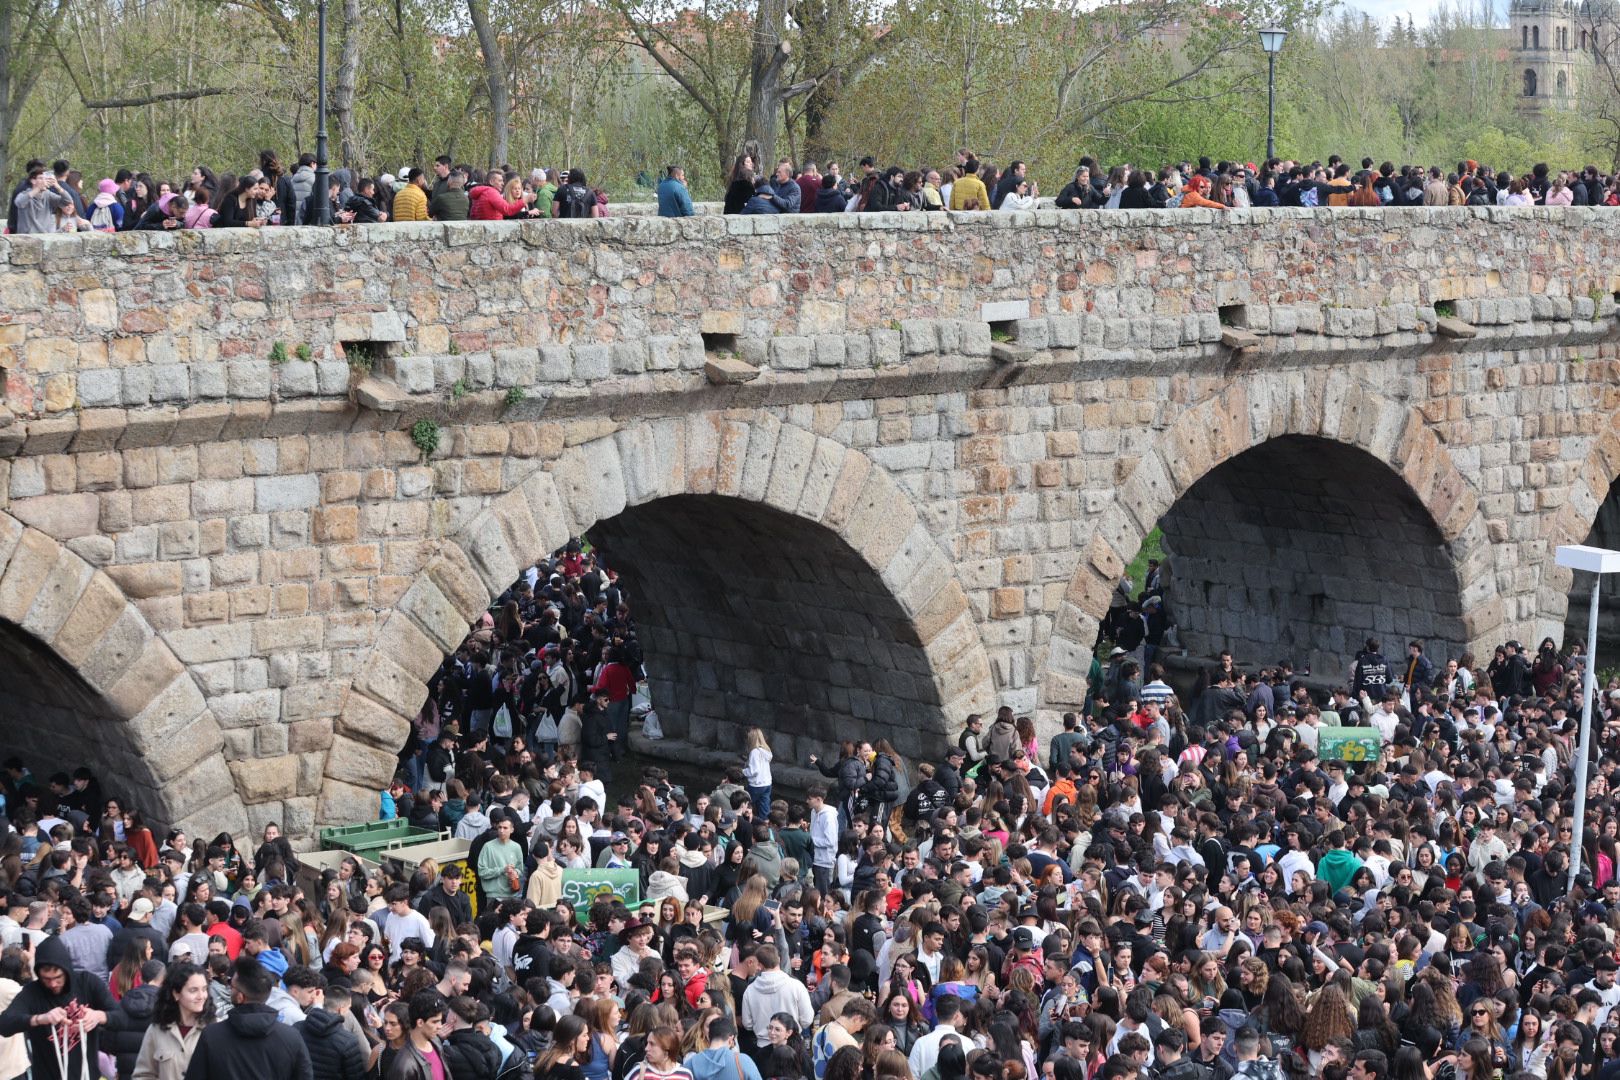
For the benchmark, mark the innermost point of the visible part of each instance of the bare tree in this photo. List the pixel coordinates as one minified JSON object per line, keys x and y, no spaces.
{"x":500,"y":102}
{"x":348,"y":75}
{"x":28,"y":30}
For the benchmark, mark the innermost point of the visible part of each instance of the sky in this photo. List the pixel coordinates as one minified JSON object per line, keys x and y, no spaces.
{"x":1385,"y":11}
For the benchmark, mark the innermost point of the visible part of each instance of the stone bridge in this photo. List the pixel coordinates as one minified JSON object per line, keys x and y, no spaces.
{"x":884,"y":468}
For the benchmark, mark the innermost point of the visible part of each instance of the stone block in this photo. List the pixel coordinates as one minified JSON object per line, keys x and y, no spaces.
{"x":331,"y":376}
{"x":727,"y":370}
{"x":207,"y":644}
{"x":264,"y":779}
{"x":1003,"y":310}
{"x":790,"y":353}
{"x":1032,"y":333}
{"x":516,"y":367}
{"x":1064,"y":331}
{"x":829,"y":350}
{"x":345,"y":804}
{"x":273,"y":493}
{"x":885,"y":347}
{"x":100,"y":387}
{"x":414,"y":374}
{"x":556,"y":363}
{"x":480,"y":371}
{"x":60,"y":516}
{"x":171,"y":382}
{"x":298,"y":378}
{"x":629,"y":357}
{"x":592,"y":362}
{"x":248,"y":379}
{"x":919,"y":336}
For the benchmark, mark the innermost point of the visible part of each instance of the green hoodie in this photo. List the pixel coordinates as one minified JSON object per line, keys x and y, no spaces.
{"x":1337,"y":867}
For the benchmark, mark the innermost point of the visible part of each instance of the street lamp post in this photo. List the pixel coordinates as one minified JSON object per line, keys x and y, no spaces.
{"x":320,"y":209}
{"x":1271,"y":40}
{"x":1597,"y":562}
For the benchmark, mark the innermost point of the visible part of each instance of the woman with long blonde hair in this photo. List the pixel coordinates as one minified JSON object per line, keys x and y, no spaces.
{"x":757,"y":772}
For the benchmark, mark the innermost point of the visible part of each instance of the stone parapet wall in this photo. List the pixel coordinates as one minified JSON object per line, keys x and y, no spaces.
{"x":143,"y":319}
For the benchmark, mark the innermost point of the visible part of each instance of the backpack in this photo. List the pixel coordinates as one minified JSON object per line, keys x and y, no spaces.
{"x":577,"y":201}
{"x":101,"y":219}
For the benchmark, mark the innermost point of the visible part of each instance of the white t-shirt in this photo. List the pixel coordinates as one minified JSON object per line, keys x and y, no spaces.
{"x":396,"y":928}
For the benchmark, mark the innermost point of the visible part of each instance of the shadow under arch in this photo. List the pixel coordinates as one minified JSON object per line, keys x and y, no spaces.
{"x":844,"y":516}
{"x":89,"y":682}
{"x":751,"y":616}
{"x":1301,"y":549}
{"x":1411,"y":467}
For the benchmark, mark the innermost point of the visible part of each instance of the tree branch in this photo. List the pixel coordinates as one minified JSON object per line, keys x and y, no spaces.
{"x":153,"y":99}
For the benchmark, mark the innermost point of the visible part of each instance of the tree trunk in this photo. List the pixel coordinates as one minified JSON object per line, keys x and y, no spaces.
{"x":500,"y":105}
{"x":765,"y":96}
{"x":407,"y":75}
{"x":348,"y":75}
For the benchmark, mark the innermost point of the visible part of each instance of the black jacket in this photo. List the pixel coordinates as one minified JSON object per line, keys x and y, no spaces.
{"x":250,"y":1044}
{"x":471,"y":1055}
{"x":33,"y":1000}
{"x":334,"y":1052}
{"x":884,"y":787}
{"x":459,"y":907}
{"x":126,"y":1028}
{"x":411,"y":1065}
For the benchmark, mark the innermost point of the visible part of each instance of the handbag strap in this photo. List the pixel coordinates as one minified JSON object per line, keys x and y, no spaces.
{"x":737,"y":1058}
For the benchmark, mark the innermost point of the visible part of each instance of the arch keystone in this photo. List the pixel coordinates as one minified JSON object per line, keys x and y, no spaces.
{"x":819,"y":479}
{"x":763,"y":434}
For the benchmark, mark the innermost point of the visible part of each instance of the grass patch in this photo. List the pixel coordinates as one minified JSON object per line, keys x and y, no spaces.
{"x":1152,"y":548}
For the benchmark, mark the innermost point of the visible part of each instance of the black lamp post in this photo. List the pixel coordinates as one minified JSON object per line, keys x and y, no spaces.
{"x":1271,"y":40}
{"x":320,"y":208}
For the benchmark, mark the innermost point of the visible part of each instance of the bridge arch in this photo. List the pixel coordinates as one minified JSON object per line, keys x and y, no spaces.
{"x":1252,"y":433}
{"x":89,"y":682}
{"x":1590,"y":515}
{"x":837,"y":525}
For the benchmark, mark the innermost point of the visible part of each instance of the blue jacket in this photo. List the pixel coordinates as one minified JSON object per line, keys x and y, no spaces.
{"x":761,"y":204}
{"x":673,"y":198}
{"x":788,"y":196}
{"x":719,"y":1063}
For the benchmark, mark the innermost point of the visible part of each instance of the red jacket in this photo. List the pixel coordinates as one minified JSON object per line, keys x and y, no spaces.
{"x":616,"y":680}
{"x":488,"y":205}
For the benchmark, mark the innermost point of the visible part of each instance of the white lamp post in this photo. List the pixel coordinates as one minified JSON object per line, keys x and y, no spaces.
{"x":1271,"y":40}
{"x":1597,"y":562}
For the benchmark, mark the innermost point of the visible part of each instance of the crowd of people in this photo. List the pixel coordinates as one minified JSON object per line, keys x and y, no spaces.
{"x":971,"y":184}
{"x":1176,"y":886}
{"x":55,"y":198}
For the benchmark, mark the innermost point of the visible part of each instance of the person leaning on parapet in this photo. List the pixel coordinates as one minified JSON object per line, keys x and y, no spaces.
{"x":764,"y":199}
{"x":968,"y":193}
{"x":411,"y":201}
{"x":674,"y":200}
{"x":452,"y":203}
{"x":38,"y":203}
{"x":787,"y":195}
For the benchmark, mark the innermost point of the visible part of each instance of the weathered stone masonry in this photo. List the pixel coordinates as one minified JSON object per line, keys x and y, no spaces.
{"x":226,"y":577}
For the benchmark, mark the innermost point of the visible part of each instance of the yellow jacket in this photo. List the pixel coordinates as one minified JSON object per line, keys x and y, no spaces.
{"x":966,"y":189}
{"x":410,"y":204}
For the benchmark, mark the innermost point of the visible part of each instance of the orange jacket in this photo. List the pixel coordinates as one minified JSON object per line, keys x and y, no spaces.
{"x":1192,"y":198}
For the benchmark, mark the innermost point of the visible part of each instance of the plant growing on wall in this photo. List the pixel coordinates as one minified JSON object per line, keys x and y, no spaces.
{"x":426,"y":434}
